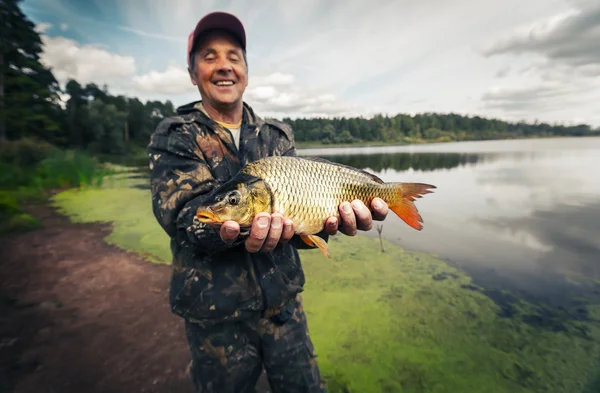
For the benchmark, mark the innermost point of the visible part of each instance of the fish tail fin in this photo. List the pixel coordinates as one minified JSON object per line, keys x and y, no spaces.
{"x":402,"y":204}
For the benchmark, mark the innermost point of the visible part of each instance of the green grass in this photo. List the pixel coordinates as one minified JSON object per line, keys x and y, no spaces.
{"x":397,"y":321}
{"x":12,"y":218}
{"x":29,"y":172}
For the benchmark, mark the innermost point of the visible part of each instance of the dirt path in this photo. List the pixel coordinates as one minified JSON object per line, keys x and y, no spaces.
{"x":78,"y":315}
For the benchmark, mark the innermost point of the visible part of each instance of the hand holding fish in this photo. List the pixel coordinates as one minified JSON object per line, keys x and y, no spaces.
{"x":356,"y":216}
{"x":266,"y":232}
{"x":269,"y":230}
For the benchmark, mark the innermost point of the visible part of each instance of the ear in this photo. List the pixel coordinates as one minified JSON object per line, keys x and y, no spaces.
{"x":192,"y":77}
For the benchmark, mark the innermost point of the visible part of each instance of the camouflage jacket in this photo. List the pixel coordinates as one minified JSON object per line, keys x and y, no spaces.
{"x":212,"y":281}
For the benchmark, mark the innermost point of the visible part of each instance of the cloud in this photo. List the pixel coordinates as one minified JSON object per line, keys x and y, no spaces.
{"x":335,"y":57}
{"x":546,"y":96}
{"x":503,"y":72}
{"x":43,"y":27}
{"x":64,"y":26}
{"x":278,"y":94}
{"x":559,"y":62}
{"x":263,"y":93}
{"x":571,"y":38}
{"x":562,"y":100}
{"x":84,"y":63}
{"x":276,"y":78}
{"x":147,"y":34}
{"x":173,"y":81}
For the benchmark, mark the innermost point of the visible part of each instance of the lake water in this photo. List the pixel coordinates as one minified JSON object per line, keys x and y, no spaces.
{"x":522,"y":215}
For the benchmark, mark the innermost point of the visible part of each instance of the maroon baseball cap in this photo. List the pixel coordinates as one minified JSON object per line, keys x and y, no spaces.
{"x":217,"y":20}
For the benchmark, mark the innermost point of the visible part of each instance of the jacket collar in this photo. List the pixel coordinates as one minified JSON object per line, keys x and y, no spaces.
{"x":196,"y":107}
{"x":250,"y":121}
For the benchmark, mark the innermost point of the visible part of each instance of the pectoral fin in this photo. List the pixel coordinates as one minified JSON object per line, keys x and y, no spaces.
{"x":314,"y":240}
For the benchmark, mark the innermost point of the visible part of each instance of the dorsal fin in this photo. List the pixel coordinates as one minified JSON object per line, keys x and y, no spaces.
{"x":323,"y":160}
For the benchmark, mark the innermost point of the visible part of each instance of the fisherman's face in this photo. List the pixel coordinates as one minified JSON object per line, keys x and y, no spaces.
{"x":220,"y":71}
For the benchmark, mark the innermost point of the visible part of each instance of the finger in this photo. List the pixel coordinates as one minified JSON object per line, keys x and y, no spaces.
{"x":274,"y":233}
{"x":380,"y":209}
{"x":230,"y":230}
{"x":331,"y":226}
{"x":259,"y":232}
{"x":364,"y":221}
{"x":348,"y":219}
{"x":288,"y":230}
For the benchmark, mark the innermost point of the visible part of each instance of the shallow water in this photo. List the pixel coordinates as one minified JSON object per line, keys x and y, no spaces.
{"x":522,"y":215}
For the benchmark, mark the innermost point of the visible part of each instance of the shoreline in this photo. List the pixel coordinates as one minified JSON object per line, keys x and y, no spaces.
{"x":319,"y":145}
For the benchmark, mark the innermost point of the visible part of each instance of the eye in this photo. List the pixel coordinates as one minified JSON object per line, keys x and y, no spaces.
{"x":233,"y":198}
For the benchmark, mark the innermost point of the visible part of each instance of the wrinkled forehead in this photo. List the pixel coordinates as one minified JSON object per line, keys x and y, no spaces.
{"x":217,"y":38}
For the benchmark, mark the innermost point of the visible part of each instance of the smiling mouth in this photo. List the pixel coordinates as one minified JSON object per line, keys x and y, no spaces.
{"x":224,"y":83}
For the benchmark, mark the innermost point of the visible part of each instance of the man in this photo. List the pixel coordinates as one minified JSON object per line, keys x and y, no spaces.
{"x":238,"y":292}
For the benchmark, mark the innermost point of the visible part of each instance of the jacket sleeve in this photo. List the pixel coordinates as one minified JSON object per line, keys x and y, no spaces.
{"x":180,"y":181}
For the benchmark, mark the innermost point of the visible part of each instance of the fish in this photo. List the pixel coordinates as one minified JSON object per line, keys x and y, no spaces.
{"x":307,"y":190}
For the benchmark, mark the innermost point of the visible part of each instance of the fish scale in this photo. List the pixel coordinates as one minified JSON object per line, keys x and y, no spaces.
{"x":320,"y":185}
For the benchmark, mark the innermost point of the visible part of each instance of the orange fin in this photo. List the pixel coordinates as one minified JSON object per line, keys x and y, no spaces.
{"x":405,"y":208}
{"x":314,"y":240}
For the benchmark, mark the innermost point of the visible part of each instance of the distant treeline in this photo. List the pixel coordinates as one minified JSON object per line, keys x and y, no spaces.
{"x":94,"y":120}
{"x":424,"y":127}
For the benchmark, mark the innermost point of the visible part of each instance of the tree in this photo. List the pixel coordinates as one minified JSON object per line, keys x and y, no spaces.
{"x":106,"y":123}
{"x":76,"y":112}
{"x":29,"y":102}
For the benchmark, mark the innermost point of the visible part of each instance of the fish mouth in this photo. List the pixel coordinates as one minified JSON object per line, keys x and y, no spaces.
{"x":207,"y":217}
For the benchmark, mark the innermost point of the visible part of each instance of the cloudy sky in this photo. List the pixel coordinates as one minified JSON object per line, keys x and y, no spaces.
{"x":511,"y":59}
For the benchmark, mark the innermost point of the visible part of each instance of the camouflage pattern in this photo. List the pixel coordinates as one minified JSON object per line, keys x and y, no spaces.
{"x":214,"y":282}
{"x":229,"y":358}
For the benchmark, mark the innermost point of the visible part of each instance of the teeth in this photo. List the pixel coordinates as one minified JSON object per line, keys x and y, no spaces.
{"x":224,"y":83}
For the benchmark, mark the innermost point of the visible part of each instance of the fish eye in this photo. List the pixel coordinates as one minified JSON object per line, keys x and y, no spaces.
{"x":233,"y":198}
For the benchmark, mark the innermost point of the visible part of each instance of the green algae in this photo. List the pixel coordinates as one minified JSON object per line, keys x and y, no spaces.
{"x":402,"y":328}
{"x":397,"y":321}
{"x":123,"y":203}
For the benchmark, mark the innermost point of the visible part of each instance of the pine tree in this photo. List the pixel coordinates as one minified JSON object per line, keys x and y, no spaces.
{"x":28,"y":90}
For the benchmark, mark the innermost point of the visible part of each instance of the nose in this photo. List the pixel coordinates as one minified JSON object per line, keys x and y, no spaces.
{"x":224,"y":65}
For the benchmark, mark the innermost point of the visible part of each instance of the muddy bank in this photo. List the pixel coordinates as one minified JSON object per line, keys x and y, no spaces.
{"x":79,"y":315}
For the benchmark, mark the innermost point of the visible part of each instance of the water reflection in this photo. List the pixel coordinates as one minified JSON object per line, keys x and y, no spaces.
{"x":403,"y":161}
{"x":518,"y":215}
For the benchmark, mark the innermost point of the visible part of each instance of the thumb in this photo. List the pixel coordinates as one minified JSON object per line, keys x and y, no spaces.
{"x":230,"y":230}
